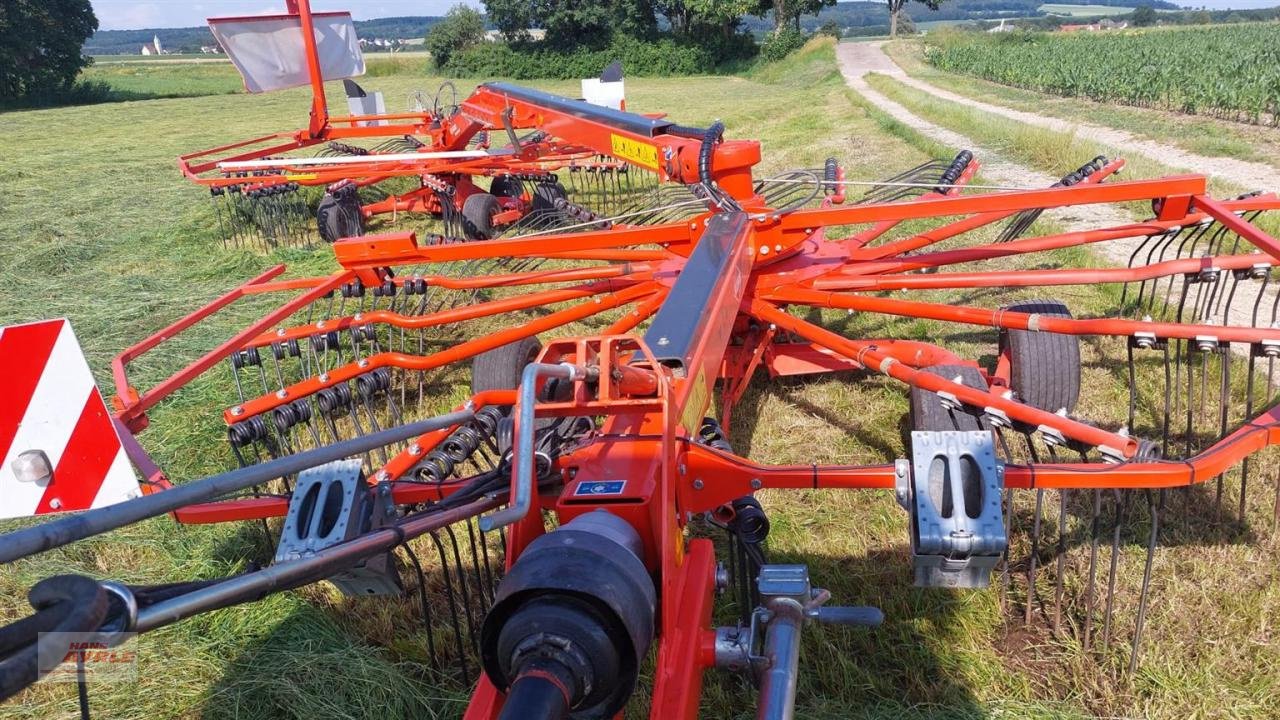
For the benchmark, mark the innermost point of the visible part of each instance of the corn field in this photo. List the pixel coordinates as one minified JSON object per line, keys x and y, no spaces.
{"x":1229,"y":71}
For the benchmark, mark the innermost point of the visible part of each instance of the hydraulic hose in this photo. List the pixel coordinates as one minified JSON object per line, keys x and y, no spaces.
{"x":71,"y":528}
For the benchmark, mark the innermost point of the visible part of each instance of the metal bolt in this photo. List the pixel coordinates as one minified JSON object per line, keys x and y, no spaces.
{"x":320,"y":324}
{"x":237,"y":411}
{"x":382,"y":476}
{"x":324,"y":377}
{"x":280,"y":331}
{"x":663,"y":340}
{"x":282,"y":393}
{"x":363,"y":363}
{"x":722,"y":577}
{"x":415,"y":449}
{"x":357,"y":317}
{"x":697,"y":484}
{"x":55,"y":503}
{"x":756,"y":484}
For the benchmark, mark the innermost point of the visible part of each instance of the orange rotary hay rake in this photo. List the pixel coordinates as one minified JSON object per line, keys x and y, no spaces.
{"x":373,"y":163}
{"x":571,"y":518}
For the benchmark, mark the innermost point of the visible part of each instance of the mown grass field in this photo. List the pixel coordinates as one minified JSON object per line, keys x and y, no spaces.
{"x":96,"y":225}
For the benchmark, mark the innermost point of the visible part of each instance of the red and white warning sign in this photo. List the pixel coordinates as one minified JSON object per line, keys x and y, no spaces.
{"x":61,"y":451}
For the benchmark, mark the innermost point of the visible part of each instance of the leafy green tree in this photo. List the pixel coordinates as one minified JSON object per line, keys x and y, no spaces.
{"x":703,"y":19}
{"x":895,"y":9}
{"x":799,"y":8}
{"x":40,"y":43}
{"x":573,"y":23}
{"x":1143,"y":16}
{"x":461,"y":28}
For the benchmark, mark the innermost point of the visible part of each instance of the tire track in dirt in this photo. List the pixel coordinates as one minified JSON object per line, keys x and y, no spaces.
{"x":857,"y":59}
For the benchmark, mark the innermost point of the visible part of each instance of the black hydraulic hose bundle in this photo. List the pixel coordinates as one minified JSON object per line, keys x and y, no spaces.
{"x":78,"y":604}
{"x":36,"y":644}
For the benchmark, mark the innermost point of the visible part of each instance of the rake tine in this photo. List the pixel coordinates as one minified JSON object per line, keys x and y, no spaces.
{"x":1146,"y":580}
{"x":1224,"y":374}
{"x":1035,"y":543}
{"x":1060,"y":550}
{"x":453,"y":608}
{"x":1111,"y":573}
{"x":475,"y":564}
{"x":460,"y":569}
{"x":1093,"y":568}
{"x":426,"y":607}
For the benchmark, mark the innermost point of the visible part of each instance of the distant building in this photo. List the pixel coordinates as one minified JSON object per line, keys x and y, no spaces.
{"x":154,"y":47}
{"x":533,"y":33}
{"x":1103,"y":24}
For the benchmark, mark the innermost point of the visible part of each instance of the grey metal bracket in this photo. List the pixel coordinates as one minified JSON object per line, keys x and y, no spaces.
{"x":957,"y":524}
{"x":333,"y":503}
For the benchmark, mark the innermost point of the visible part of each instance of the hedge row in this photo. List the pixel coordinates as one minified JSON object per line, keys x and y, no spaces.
{"x":661,"y":57}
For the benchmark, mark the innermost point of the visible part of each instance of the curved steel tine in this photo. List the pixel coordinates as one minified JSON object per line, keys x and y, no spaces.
{"x":426,"y":607}
{"x":1112,"y":572}
{"x":453,"y":608}
{"x":1090,"y":586}
{"x":1152,"y":539}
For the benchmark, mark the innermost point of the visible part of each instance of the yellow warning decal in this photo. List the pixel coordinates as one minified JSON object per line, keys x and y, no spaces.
{"x":635,"y":151}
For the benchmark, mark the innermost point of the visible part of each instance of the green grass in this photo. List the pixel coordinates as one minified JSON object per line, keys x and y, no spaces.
{"x":99,"y":227}
{"x":1197,"y":134}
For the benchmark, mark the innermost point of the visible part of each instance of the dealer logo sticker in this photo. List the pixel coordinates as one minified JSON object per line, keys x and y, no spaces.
{"x":601,"y":487}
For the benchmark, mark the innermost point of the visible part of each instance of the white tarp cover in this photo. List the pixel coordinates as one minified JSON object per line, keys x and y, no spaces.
{"x":269,"y":53}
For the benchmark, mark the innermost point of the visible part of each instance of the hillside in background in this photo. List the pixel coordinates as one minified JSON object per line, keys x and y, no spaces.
{"x":853,"y":15}
{"x":848,"y":15}
{"x":190,"y":40}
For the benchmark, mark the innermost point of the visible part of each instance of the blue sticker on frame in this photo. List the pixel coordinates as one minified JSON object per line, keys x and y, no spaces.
{"x":604,"y":487}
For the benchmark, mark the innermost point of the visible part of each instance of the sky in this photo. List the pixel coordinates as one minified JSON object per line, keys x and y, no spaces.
{"x":132,"y":14}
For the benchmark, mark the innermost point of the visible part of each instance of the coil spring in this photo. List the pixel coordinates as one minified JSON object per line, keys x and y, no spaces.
{"x":324,"y":342}
{"x":830,"y":171}
{"x":374,"y":383}
{"x":334,"y":400}
{"x":459,"y":447}
{"x":952,"y":173}
{"x":249,"y":357}
{"x":353,"y":289}
{"x":578,"y":212}
{"x":247,"y":432}
{"x":386,"y":289}
{"x":1084,"y":171}
{"x":286,"y":416}
{"x":289,"y":348}
{"x":346,"y":149}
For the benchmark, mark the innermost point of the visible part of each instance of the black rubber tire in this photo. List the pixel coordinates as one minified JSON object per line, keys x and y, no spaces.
{"x":928,"y":412}
{"x":338,"y":216}
{"x":546,"y":197}
{"x":477,"y":216}
{"x":505,"y":186}
{"x":1044,"y":366}
{"x":501,"y":367}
